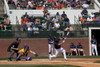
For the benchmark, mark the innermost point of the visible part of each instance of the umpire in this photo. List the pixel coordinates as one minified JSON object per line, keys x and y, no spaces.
{"x":13,"y":48}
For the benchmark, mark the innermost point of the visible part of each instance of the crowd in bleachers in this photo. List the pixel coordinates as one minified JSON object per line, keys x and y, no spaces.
{"x":5,"y":23}
{"x":50,"y":4}
{"x":86,"y":18}
{"x":47,"y":22}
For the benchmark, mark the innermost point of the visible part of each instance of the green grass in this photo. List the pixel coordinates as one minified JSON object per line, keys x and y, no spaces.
{"x":59,"y":57}
{"x":84,"y":57}
{"x":38,"y":66}
{"x":97,"y":62}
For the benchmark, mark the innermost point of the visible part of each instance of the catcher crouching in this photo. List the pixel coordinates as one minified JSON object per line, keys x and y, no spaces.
{"x":23,"y":53}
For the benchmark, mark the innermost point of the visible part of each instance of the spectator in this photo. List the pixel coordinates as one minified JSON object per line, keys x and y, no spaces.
{"x":66,"y":21}
{"x":18,"y":6}
{"x":15,"y":2}
{"x":48,"y":16}
{"x":62,"y":5}
{"x":73,"y":49}
{"x":33,"y":25}
{"x":6,"y":19}
{"x":30,"y":31}
{"x":9,"y":1}
{"x":5,"y":15}
{"x":36,"y":29}
{"x":73,"y":5}
{"x":2,"y":26}
{"x":29,"y":2}
{"x":28,"y":24}
{"x":95,"y":19}
{"x":44,"y":25}
{"x":57,"y":25}
{"x":89,"y":19}
{"x":52,"y":25}
{"x":85,"y":12}
{"x":60,"y":31}
{"x":45,"y":12}
{"x":26,"y":15}
{"x":55,"y":19}
{"x":99,"y":19}
{"x":25,"y":20}
{"x":37,"y":21}
{"x":57,"y":15}
{"x":81,"y":15}
{"x":50,"y":4}
{"x":69,"y":28}
{"x":63,"y":15}
{"x":85,"y":5}
{"x":22,"y":23}
{"x":32,"y":19}
{"x":50,"y":1}
{"x":80,"y":49}
{"x":92,"y":15}
{"x":58,"y":5}
{"x":83,"y":20}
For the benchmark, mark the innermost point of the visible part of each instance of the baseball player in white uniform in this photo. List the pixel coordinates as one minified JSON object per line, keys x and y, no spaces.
{"x":94,"y":46}
{"x":50,"y":45}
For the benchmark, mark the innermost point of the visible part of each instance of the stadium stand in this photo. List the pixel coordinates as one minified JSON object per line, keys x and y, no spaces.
{"x":58,"y":21}
{"x":51,"y":4}
{"x":40,"y":23}
{"x":90,"y":20}
{"x":5,"y":23}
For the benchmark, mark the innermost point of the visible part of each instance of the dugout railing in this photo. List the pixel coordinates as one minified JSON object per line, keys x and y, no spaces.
{"x":41,"y":34}
{"x":91,"y":24}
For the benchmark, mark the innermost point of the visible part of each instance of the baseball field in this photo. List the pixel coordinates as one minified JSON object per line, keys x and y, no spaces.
{"x":74,"y":61}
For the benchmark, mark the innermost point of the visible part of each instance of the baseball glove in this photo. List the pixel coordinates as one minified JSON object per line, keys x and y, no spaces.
{"x":36,"y":55}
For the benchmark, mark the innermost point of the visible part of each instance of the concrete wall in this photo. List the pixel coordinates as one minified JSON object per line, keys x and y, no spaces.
{"x":41,"y":45}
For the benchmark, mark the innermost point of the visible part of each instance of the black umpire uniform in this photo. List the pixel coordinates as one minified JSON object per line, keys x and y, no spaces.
{"x":13,"y":48}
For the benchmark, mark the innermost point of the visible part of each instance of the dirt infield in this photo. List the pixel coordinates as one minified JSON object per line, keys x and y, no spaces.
{"x":74,"y":61}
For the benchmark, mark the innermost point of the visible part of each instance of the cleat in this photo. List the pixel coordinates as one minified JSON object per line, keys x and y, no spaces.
{"x":50,"y":57}
{"x":65,"y":59}
{"x":9,"y":60}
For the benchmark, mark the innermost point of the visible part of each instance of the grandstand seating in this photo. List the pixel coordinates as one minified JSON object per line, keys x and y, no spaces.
{"x":8,"y":26}
{"x":42,"y":19}
{"x":47,"y":31}
{"x":23,"y":4}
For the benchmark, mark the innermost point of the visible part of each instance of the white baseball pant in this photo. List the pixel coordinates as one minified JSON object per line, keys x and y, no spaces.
{"x":94,"y":47}
{"x":58,"y":50}
{"x":51,"y":49}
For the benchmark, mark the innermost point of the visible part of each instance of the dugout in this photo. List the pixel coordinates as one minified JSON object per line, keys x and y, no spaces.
{"x":96,"y":32}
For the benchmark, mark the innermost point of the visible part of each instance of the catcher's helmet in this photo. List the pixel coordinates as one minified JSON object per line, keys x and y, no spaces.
{"x":26,"y":47}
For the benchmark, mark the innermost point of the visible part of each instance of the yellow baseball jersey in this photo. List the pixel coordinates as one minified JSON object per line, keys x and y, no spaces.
{"x":23,"y":51}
